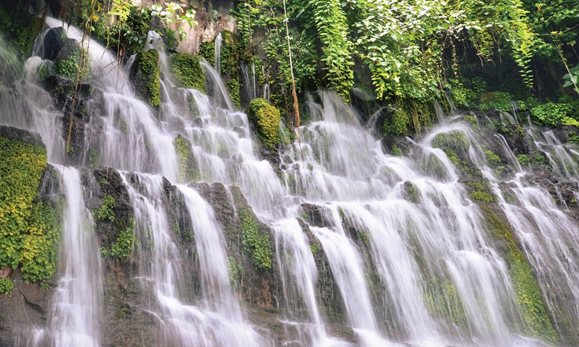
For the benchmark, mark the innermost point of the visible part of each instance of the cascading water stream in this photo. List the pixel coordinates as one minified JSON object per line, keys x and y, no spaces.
{"x":547,"y":234}
{"x":216,"y":319}
{"x":76,"y":312}
{"x":400,"y":234}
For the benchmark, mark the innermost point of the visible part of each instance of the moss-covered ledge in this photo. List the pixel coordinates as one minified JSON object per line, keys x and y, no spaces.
{"x":28,"y":226}
{"x":187,"y":71}
{"x":146,"y":76}
{"x":266,"y":118}
{"x":534,"y":312}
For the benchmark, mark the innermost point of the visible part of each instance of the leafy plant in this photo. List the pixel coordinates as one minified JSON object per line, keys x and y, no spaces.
{"x":255,"y":242}
{"x":6,"y":286}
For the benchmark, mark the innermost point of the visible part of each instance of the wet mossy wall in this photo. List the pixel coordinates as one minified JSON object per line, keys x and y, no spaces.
{"x":29,"y":228}
{"x":146,"y":76}
{"x":266,"y":118}
{"x":187,"y":71}
{"x":528,"y":293}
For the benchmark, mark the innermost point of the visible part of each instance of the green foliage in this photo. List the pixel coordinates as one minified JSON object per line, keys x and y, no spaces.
{"x":266,"y":118}
{"x":462,"y":96}
{"x":442,"y":299}
{"x":411,"y":192}
{"x":187,"y":171}
{"x":122,"y":247}
{"x":125,"y":37}
{"x":187,"y":71}
{"x":471,"y":119}
{"x":500,"y":101}
{"x":315,"y":248}
{"x":535,"y":159}
{"x":146,"y":75}
{"x":39,"y":251}
{"x":398,"y":124}
{"x":106,"y":212}
{"x":6,"y":286}
{"x":454,"y":141}
{"x":556,"y":113}
{"x":332,"y":25}
{"x":235,"y":271}
{"x":533,"y":309}
{"x":492,"y":158}
{"x":19,"y":28}
{"x":21,"y":168}
{"x":75,"y":67}
{"x":121,"y":9}
{"x":481,"y":196}
{"x":255,"y":242}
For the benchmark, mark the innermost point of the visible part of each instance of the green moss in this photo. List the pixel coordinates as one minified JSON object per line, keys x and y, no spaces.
{"x":537,"y":159}
{"x":479,"y":191}
{"x":186,"y":168}
{"x":40,"y":245}
{"x":533,"y":309}
{"x":75,"y":67}
{"x":411,"y":192}
{"x":187,"y":71}
{"x":123,"y":245}
{"x":255,"y":242}
{"x":315,"y":248}
{"x":442,"y":300}
{"x":106,"y":212}
{"x":471,"y":119}
{"x":398,"y":124}
{"x":492,"y":158}
{"x":207,"y":51}
{"x":146,"y":74}
{"x":235,"y":271}
{"x":396,"y":151}
{"x":6,"y":286}
{"x":21,"y":168}
{"x":266,"y":118}
{"x":499,"y":101}
{"x":364,"y":237}
{"x":454,"y":141}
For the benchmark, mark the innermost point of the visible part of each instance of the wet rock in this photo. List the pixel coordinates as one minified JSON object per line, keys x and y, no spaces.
{"x":258,"y":287}
{"x":28,"y":305}
{"x":53,"y":43}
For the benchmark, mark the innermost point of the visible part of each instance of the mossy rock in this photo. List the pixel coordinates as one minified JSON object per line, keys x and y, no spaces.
{"x":28,"y":229}
{"x":398,"y":124}
{"x":534,"y":311}
{"x":146,"y":75}
{"x":266,"y":118}
{"x":255,"y":242}
{"x":187,"y":71}
{"x":453,"y":141}
{"x":72,"y":62}
{"x":188,"y":169}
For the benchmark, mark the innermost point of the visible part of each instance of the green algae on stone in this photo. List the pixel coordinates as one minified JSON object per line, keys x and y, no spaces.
{"x":146,"y":75}
{"x":528,"y":293}
{"x":21,"y":168}
{"x":187,"y":71}
{"x":255,"y":242}
{"x":266,"y":118}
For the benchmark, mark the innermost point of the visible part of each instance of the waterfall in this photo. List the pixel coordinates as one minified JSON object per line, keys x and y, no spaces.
{"x":218,"y":43}
{"x":409,"y":254}
{"x":76,"y":313}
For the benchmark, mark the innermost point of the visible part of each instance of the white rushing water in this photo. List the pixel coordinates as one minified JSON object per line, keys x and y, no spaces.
{"x":213,"y":320}
{"x":410,"y":254}
{"x":76,"y":310}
